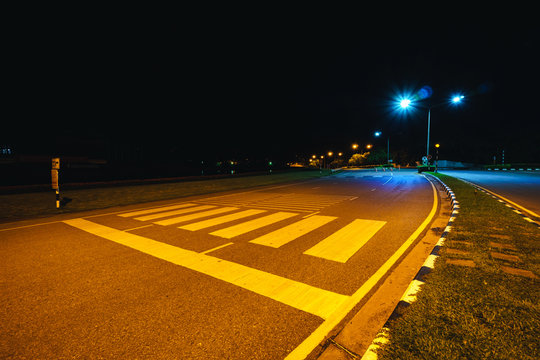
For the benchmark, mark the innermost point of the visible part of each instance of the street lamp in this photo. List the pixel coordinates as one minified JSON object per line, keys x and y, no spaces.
{"x":437,"y":156}
{"x":456,"y":99}
{"x":405,"y":103}
{"x":378,"y":133}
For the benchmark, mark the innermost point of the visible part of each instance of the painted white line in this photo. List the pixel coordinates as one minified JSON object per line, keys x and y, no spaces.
{"x":345,"y":242}
{"x":220,"y":220}
{"x":524,"y":209}
{"x":301,"y":296}
{"x":293,"y":231}
{"x":138,"y":227}
{"x":386,"y":182}
{"x":308,"y":215}
{"x":216,"y":248}
{"x":32,"y":225}
{"x":174,"y":212}
{"x":251,"y":225}
{"x":198,"y":215}
{"x":316,"y":337}
{"x":154,"y":210}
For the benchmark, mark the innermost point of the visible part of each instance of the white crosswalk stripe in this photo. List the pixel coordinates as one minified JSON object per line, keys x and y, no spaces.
{"x":221,"y":220}
{"x":345,"y":242}
{"x":278,"y":201}
{"x":155,"y":210}
{"x":245,"y":227}
{"x":197,"y":215}
{"x":339,"y":246}
{"x":293,"y":231}
{"x":173,"y":212}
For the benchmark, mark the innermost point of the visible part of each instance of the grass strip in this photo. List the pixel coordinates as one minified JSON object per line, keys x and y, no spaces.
{"x":480,"y":312}
{"x":40,"y":204}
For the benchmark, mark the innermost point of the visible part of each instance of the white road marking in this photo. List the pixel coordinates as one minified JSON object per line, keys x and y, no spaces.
{"x":251,"y":225}
{"x":345,"y":242}
{"x":220,"y":220}
{"x":197,"y":215}
{"x":293,"y":231}
{"x":138,"y":227}
{"x":155,"y":210}
{"x":216,"y":248}
{"x":301,"y":296}
{"x":174,"y":212}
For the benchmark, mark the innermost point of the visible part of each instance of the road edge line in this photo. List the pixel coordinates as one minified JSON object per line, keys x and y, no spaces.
{"x":307,"y":346}
{"x":508,"y":202}
{"x":383,"y":336}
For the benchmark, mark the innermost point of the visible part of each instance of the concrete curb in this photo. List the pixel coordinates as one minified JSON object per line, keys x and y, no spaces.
{"x":501,"y":200}
{"x":415,"y":286}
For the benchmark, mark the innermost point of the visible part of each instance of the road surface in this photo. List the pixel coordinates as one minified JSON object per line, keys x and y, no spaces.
{"x":521,"y":187}
{"x":258,"y":274}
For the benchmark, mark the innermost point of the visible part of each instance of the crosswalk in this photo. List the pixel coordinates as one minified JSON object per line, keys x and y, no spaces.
{"x":229,"y":222}
{"x":277,"y":201}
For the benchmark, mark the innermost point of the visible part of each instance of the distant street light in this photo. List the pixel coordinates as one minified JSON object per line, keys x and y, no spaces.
{"x":456,"y":99}
{"x":437,"y":156}
{"x":379,"y":133}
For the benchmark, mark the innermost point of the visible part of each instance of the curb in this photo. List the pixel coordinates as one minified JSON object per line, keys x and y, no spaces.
{"x":415,"y":286}
{"x":501,"y":200}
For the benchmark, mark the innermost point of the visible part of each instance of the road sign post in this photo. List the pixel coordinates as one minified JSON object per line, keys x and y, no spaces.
{"x":55,"y":166}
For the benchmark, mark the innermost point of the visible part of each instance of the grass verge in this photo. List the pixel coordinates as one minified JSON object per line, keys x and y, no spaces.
{"x":39,"y":204}
{"x":489,"y":311}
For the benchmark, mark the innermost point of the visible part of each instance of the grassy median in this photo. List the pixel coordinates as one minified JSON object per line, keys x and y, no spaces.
{"x":481,"y":301}
{"x":38,"y":204}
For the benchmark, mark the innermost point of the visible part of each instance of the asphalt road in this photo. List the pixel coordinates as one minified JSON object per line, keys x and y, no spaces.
{"x":521,"y":187}
{"x":241,"y":275}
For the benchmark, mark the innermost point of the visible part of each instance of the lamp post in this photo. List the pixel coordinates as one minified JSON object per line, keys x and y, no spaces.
{"x":377,"y":134}
{"x":437,"y":156}
{"x":405,"y":103}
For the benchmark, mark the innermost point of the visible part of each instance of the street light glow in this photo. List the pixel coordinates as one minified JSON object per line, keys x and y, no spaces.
{"x":405,"y":103}
{"x":456,"y":99}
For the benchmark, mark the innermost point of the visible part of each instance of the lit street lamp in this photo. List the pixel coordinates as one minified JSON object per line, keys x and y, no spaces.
{"x":405,"y":103}
{"x":437,"y":156}
{"x":378,"y":133}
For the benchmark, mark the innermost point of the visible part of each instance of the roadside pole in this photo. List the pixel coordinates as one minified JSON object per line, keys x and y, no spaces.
{"x":54,"y":179}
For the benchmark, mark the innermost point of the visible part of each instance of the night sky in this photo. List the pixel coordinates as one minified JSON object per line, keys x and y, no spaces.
{"x":270,"y":83}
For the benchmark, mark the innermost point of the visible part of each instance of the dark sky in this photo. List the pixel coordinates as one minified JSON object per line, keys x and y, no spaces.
{"x":281,"y":82}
